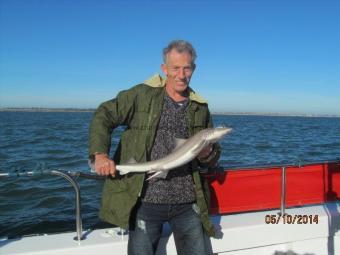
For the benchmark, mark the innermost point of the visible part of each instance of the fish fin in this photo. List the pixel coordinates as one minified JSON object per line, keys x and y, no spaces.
{"x":159,"y":174}
{"x":162,"y":174}
{"x":179,"y":142}
{"x":122,"y":172}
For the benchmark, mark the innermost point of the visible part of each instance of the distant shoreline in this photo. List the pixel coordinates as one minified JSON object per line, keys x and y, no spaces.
{"x":40,"y":109}
{"x":278,"y":114}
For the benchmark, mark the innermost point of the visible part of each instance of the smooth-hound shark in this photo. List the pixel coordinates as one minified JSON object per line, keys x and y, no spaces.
{"x":185,"y":151}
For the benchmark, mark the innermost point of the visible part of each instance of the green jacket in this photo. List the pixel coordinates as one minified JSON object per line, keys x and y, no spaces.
{"x":139,"y":109}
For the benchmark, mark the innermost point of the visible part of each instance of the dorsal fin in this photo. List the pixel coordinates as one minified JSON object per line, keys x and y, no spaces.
{"x":179,"y":142}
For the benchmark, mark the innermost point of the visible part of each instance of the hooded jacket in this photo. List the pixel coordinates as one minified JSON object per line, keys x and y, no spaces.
{"x":139,"y":110}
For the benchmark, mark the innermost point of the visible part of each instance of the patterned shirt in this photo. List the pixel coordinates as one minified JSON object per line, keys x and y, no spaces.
{"x":178,"y":186}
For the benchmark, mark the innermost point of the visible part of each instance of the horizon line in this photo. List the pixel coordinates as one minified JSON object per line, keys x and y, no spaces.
{"x":84,"y":109}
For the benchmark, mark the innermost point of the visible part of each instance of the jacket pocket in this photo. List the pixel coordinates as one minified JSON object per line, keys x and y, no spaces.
{"x":115,"y":185}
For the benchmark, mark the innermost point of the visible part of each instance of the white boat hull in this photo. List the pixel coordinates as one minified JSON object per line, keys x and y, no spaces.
{"x":241,"y":234}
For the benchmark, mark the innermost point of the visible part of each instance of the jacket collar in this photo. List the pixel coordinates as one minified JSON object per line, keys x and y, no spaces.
{"x":158,"y":81}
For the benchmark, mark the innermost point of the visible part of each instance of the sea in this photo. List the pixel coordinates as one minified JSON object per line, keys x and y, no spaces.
{"x":34,"y":141}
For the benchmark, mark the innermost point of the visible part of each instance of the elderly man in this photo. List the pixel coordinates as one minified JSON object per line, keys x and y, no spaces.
{"x":155,"y":113}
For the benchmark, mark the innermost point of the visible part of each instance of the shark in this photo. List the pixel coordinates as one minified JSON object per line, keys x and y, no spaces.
{"x":185,"y":151}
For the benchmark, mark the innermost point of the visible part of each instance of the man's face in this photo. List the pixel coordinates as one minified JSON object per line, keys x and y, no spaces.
{"x":178,"y":71}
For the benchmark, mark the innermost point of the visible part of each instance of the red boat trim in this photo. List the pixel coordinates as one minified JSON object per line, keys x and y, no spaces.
{"x":260,"y":189}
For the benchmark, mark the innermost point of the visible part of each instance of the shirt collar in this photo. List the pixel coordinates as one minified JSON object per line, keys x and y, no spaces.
{"x":158,"y":81}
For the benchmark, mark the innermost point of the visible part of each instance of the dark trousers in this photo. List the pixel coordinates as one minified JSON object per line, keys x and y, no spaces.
{"x":185,"y":224}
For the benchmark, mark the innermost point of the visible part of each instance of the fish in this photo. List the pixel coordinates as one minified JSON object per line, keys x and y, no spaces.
{"x":185,"y":151}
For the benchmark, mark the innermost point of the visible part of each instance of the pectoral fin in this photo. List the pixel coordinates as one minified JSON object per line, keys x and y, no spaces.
{"x":159,"y":174}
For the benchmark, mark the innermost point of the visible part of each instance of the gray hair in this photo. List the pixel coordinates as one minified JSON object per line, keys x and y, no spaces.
{"x":180,"y":46}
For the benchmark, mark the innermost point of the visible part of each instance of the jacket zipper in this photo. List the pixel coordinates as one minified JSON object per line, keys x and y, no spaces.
{"x":154,"y":136}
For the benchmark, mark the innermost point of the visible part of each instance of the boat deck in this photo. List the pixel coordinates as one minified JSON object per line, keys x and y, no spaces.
{"x":244,"y":204}
{"x":241,"y":233}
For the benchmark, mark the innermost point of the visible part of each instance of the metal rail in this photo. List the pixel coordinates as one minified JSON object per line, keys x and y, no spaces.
{"x":79,"y":223}
{"x":70,"y":177}
{"x":283,"y":191}
{"x":283,"y":168}
{"x":269,"y":166}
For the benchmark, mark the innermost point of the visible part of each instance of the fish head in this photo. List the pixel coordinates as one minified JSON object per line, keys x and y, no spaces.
{"x":212,"y":135}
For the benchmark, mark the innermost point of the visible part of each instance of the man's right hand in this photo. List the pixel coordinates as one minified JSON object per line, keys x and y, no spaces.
{"x":104,"y":165}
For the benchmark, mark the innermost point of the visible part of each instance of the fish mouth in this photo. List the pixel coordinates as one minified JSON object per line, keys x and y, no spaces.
{"x":227,"y":130}
{"x":222,"y":131}
{"x":217,"y":134}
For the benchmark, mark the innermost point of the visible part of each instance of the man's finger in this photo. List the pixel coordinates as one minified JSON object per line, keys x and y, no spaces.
{"x":112,"y":168}
{"x":206,"y":151}
{"x":102,"y":170}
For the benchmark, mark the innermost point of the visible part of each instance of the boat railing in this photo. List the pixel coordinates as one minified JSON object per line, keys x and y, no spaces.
{"x":283,"y":191}
{"x":71,"y":176}
{"x":299,"y":163}
{"x":265,"y":167}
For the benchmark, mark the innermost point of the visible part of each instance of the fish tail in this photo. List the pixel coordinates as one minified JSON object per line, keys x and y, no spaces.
{"x":122,"y":172}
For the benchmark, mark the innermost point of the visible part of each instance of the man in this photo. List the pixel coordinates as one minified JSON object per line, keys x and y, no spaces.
{"x":155,"y":113}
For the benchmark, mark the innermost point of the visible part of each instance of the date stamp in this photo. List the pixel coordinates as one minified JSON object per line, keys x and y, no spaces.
{"x":292,"y":219}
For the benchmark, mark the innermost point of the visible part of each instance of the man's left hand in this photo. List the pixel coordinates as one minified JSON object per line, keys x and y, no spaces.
{"x":205,"y":152}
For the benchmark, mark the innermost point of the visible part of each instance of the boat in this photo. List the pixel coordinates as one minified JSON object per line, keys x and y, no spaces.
{"x":285,"y":209}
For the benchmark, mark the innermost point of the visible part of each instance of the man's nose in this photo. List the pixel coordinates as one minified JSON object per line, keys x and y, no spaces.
{"x":181,"y":73}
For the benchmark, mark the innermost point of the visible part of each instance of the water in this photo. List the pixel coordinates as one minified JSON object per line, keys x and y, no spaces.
{"x":58,"y":140}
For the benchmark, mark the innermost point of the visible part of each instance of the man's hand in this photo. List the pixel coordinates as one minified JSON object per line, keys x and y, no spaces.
{"x":104,"y":165}
{"x":209,"y":156}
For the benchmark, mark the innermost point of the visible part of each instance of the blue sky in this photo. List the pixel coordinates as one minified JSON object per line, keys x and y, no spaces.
{"x":253,"y":56}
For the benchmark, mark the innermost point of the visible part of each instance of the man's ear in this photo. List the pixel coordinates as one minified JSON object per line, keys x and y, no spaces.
{"x":164,"y":69}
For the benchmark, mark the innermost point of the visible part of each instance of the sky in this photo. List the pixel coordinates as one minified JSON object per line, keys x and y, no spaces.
{"x":253,"y":56}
